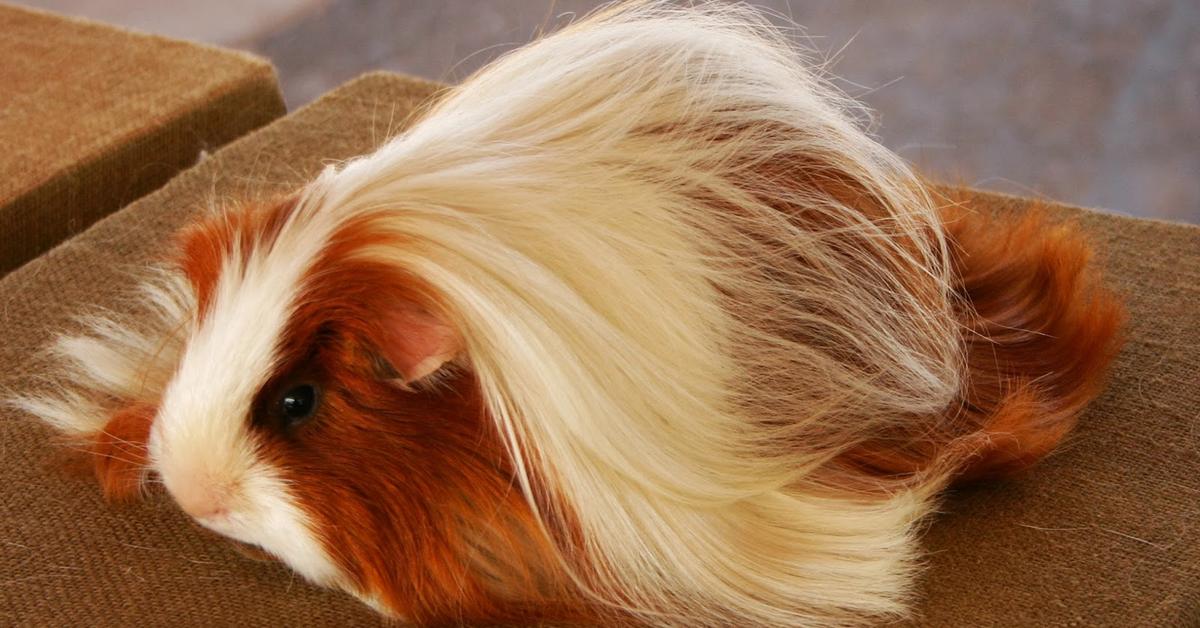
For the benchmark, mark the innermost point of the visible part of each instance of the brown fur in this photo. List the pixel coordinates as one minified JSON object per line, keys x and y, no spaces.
{"x":1040,"y":332}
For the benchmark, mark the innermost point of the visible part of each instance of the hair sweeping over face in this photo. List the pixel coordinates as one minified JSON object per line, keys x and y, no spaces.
{"x":635,"y":325}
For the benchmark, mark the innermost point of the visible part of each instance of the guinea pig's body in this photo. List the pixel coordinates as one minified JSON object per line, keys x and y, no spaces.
{"x":633,"y":326}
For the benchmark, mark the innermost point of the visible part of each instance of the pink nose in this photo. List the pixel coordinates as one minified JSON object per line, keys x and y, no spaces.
{"x":201,"y":501}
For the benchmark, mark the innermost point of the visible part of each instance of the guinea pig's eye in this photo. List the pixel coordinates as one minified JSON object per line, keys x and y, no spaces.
{"x":298,"y":404}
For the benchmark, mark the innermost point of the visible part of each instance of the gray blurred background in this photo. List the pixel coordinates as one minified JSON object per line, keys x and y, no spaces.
{"x":1092,"y":102}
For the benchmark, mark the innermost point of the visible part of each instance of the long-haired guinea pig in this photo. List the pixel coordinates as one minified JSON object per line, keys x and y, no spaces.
{"x":636,"y":325}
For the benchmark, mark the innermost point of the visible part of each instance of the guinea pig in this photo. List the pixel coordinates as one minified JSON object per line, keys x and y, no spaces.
{"x":637,"y":325}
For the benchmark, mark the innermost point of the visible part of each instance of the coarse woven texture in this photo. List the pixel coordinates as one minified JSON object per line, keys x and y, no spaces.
{"x":1097,"y":535}
{"x":93,"y":117}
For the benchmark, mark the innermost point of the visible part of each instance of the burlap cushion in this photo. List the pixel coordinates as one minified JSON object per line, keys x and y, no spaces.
{"x":1098,"y":535}
{"x":93,"y":117}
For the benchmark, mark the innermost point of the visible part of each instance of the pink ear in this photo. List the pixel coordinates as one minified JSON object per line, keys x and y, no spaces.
{"x":417,"y":342}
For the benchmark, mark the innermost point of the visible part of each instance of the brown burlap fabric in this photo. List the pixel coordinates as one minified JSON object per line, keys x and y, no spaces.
{"x":1099,"y":535}
{"x":93,"y":117}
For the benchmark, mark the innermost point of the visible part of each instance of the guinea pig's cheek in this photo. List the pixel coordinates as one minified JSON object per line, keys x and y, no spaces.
{"x":274,"y":521}
{"x":267,"y":517}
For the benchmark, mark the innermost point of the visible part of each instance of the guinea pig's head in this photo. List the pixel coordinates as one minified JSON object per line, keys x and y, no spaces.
{"x":321,"y":410}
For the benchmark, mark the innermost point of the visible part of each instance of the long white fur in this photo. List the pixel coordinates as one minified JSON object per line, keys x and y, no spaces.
{"x":619,"y":324}
{"x":571,"y":205}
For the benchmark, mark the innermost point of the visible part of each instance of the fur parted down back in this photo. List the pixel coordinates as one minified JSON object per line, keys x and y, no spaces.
{"x":687,"y":281}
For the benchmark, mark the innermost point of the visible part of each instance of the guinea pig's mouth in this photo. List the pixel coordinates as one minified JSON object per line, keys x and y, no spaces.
{"x":249,"y":550}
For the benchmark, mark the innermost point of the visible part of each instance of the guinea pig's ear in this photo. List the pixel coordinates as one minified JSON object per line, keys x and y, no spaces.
{"x":416,"y":341}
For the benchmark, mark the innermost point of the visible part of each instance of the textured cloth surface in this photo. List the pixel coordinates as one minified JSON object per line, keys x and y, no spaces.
{"x":93,"y":117}
{"x":1100,"y":534}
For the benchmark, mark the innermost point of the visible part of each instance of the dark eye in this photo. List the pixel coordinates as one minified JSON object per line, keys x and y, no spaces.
{"x":298,"y":403}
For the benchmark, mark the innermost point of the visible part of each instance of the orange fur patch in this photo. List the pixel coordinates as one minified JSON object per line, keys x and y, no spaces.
{"x":205,"y":246}
{"x":119,"y":452}
{"x":1040,"y":332}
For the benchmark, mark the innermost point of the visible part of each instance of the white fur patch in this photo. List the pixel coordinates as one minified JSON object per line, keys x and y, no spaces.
{"x":201,"y":440}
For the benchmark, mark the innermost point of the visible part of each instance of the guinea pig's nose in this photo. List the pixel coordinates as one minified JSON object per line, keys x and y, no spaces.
{"x":202,"y":501}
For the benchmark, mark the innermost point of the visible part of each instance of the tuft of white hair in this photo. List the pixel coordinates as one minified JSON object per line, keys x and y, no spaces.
{"x":119,"y":359}
{"x":687,"y":280}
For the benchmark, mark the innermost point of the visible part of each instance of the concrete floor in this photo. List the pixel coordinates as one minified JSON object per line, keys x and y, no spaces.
{"x":1094,"y":102}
